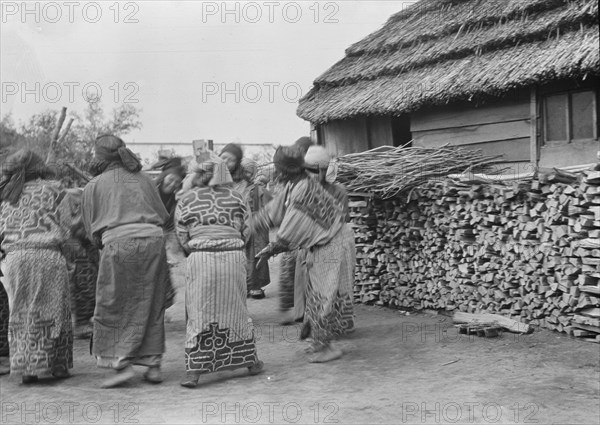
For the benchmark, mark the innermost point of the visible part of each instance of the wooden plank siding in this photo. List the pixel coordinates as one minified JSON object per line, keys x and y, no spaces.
{"x":380,"y":131}
{"x":343,"y":137}
{"x":499,"y":128}
{"x":474,"y":134}
{"x":514,"y":150}
{"x":461,"y":116}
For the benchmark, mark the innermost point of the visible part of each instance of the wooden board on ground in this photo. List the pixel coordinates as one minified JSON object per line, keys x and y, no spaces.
{"x":492,"y":319}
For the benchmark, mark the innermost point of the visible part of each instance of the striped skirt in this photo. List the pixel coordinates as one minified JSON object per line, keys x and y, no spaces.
{"x":329,"y":293}
{"x":219,"y":331}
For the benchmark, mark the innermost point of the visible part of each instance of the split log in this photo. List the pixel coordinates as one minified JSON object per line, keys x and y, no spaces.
{"x":493,"y":319}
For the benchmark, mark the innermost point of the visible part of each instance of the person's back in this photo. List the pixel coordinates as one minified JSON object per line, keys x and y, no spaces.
{"x":35,"y":222}
{"x":123,"y":214}
{"x":213,"y":206}
{"x":340,"y":194}
{"x":119,"y":197}
{"x":209,"y":220}
{"x":36,"y":219}
{"x":321,"y":215}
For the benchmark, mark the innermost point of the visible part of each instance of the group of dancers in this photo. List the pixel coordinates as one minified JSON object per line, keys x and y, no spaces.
{"x":218,"y":213}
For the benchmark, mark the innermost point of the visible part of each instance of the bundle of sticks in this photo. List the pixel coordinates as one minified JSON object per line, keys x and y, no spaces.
{"x":388,"y":171}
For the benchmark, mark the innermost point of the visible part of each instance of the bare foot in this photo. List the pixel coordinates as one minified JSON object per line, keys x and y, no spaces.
{"x":256,"y":368}
{"x":190,"y":380}
{"x":153,"y":375}
{"x":310,"y":349}
{"x":120,"y":378}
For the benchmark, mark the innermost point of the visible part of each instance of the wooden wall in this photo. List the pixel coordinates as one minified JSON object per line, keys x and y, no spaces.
{"x":502,"y":127}
{"x":342,"y":137}
{"x":380,"y":132}
{"x":510,"y":126}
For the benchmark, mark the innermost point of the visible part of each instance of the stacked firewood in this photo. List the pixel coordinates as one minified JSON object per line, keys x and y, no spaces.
{"x":527,"y":250}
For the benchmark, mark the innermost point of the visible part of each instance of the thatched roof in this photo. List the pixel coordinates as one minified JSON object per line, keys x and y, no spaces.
{"x":440,"y":51}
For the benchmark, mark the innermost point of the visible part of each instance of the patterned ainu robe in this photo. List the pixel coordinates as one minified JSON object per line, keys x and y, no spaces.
{"x":311,"y":219}
{"x":219,"y":334}
{"x":300,"y":272}
{"x":36,"y":279}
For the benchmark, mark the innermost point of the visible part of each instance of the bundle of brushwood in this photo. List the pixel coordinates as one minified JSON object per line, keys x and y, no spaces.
{"x":389,"y":171}
{"x":527,"y":250}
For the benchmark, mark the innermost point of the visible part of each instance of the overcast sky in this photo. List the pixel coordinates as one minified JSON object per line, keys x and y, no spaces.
{"x":193,"y":70}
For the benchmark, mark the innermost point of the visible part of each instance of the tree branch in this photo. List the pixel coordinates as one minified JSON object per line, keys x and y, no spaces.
{"x":65,"y":132}
{"x":53,"y":141}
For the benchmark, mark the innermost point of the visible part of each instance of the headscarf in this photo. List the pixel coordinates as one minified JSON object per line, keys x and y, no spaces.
{"x":317,"y":158}
{"x":164,"y":163}
{"x":220,"y":174}
{"x":20,"y":167}
{"x":288,"y":160}
{"x":304,"y":143}
{"x":250,"y":169}
{"x":110,"y":149}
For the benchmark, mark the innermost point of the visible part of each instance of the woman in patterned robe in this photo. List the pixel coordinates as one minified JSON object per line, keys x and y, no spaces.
{"x":35,"y":222}
{"x":318,"y":166}
{"x":310,"y":218}
{"x":210,"y":226}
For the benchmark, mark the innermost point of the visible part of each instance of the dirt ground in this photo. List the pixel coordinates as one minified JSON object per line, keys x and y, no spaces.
{"x":397,"y":369}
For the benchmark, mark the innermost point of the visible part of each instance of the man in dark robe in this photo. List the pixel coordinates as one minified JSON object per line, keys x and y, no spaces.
{"x":124,"y":216}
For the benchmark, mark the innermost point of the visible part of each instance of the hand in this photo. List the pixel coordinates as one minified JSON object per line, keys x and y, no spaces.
{"x":263,"y":255}
{"x":270,"y":250}
{"x":266,"y":253}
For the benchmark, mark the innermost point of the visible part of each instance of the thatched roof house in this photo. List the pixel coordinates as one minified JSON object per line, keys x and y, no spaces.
{"x":513,"y":76}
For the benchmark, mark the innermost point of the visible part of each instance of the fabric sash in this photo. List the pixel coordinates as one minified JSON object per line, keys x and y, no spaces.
{"x":136,"y":230}
{"x":215,"y":238}
{"x":214,"y":232}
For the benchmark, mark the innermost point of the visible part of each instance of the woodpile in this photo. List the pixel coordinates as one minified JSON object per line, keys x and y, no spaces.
{"x":524,"y":250}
